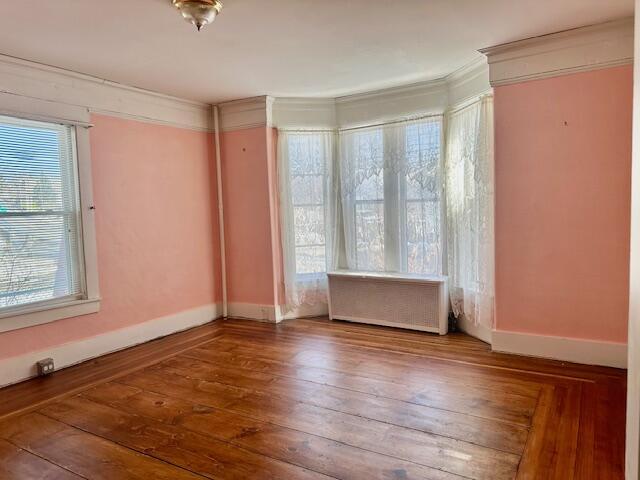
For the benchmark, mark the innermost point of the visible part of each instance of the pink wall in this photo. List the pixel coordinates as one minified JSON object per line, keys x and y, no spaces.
{"x":247,"y":211}
{"x":563,"y":164}
{"x":156,"y":226}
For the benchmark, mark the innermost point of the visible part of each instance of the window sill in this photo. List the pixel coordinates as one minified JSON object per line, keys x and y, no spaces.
{"x":38,"y":315}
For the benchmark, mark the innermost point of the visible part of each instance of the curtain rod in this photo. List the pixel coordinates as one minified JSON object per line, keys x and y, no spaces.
{"x":393,"y":122}
{"x":308,"y":130}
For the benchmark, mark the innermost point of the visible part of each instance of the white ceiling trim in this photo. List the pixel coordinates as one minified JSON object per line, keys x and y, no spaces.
{"x":581,"y":49}
{"x":304,"y":113}
{"x":468,"y":82}
{"x":51,"y":84}
{"x":391,"y":104}
{"x":245,"y":113}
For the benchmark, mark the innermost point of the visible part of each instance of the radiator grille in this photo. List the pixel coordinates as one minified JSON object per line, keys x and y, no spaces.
{"x":407,"y":304}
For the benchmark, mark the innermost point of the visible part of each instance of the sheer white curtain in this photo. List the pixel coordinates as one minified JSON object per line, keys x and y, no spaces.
{"x":391,"y":189}
{"x":469,"y":172}
{"x":308,"y":207}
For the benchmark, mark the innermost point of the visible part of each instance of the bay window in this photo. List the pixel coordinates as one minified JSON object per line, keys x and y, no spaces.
{"x":380,"y":205}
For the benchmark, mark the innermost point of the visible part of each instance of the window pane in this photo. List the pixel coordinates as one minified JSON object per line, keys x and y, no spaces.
{"x":371,"y":188}
{"x":423,"y":161}
{"x":423,"y":237}
{"x":39,"y":217}
{"x":423,"y":143}
{"x":309,"y":225}
{"x":307,"y":189}
{"x":423,"y":191}
{"x":310,"y":259}
{"x":306,"y":154}
{"x":30,"y":170}
{"x":368,"y":146}
{"x":370,"y":235}
{"x":368,"y":163}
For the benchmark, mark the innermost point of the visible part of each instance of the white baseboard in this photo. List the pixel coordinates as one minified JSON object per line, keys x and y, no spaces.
{"x":17,"y":369}
{"x":478,"y":331}
{"x":274,"y":313}
{"x":252,"y":311}
{"x":589,"y":352}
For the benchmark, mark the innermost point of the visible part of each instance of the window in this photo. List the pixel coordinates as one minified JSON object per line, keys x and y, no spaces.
{"x":391,"y":197}
{"x":42,"y":261}
{"x":369,"y":201}
{"x":422,"y":198}
{"x":308,"y":177}
{"x":307,"y":205}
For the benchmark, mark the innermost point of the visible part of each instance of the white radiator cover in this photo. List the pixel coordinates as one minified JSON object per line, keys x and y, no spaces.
{"x":394,"y":300}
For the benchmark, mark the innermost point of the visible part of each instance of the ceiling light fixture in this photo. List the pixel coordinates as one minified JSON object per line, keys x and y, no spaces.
{"x":199,"y":12}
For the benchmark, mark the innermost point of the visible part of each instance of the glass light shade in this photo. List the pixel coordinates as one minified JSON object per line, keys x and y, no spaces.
{"x":199,"y":12}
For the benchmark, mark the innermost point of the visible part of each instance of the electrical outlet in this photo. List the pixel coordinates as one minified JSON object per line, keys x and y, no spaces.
{"x":45,"y":367}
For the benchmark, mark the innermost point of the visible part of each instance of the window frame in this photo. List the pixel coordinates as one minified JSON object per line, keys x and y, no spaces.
{"x":47,"y":311}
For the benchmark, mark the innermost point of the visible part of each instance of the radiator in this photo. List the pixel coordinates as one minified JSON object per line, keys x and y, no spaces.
{"x":394,"y":300}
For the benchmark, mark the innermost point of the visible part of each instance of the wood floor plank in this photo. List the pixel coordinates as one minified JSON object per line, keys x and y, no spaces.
{"x":480,"y":402}
{"x":489,"y":433}
{"x":191,"y":451}
{"x":442,"y":453}
{"x":585,"y":454}
{"x":609,"y":430}
{"x":385,"y":366}
{"x":310,"y":451}
{"x":16,"y":463}
{"x":317,"y":347}
{"x":552,"y":447}
{"x":309,"y":329}
{"x":84,"y":454}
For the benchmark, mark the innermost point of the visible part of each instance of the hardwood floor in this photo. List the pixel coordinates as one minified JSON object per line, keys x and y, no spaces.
{"x":313,"y":399}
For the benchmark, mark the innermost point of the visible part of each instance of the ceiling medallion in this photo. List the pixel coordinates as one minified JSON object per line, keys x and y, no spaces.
{"x":199,"y":12}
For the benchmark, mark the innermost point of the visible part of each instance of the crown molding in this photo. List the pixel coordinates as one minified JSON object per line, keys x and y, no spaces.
{"x":304,"y":113}
{"x":31,"y":80}
{"x":392,"y":103}
{"x":468,"y":82}
{"x":580,"y":49}
{"x":246,"y":113}
{"x":398,"y":92}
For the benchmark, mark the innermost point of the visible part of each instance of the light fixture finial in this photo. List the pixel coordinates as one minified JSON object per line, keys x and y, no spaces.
{"x":199,"y":12}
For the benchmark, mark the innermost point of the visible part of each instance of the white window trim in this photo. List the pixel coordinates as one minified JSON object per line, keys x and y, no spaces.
{"x":50,"y":311}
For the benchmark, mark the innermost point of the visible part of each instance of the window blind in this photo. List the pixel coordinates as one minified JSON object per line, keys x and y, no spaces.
{"x":40,"y":242}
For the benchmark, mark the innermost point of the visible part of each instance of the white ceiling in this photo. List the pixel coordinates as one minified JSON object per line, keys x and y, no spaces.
{"x":280,"y":47}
